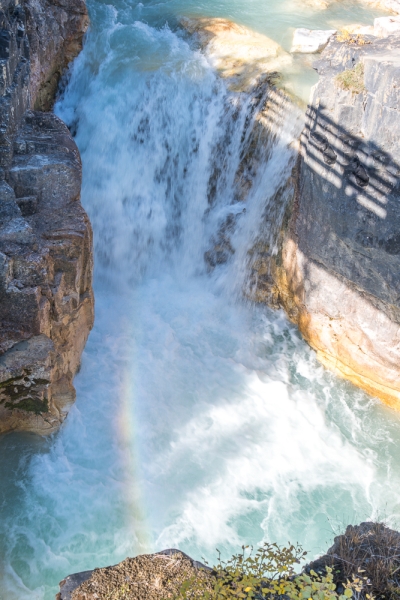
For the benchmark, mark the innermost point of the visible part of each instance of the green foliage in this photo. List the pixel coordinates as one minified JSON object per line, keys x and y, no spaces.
{"x":269,"y":573}
{"x":352,"y":79}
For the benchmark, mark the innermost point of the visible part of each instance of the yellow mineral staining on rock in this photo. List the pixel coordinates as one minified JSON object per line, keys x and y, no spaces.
{"x":339,"y":330}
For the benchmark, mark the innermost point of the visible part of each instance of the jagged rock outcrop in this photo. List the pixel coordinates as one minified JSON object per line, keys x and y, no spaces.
{"x":338,"y":271}
{"x":46,"y":300}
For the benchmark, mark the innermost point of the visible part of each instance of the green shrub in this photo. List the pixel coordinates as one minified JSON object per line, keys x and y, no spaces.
{"x":269,"y":573}
{"x":352,"y":79}
{"x":346,"y":37}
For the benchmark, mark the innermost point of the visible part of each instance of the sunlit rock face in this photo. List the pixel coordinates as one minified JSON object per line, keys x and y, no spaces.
{"x":357,"y":29}
{"x":386,"y":26}
{"x":236,"y":52}
{"x":338,"y":272}
{"x":311,"y":41}
{"x":46,"y":300}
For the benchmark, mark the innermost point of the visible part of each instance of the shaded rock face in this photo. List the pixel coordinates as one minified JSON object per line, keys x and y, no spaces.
{"x":46,"y":301}
{"x":338,"y":271}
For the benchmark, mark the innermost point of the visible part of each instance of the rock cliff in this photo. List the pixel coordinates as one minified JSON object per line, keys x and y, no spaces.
{"x":338,"y":270}
{"x":46,"y":300}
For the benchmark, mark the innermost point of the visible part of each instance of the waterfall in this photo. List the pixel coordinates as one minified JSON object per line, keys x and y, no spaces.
{"x":202,"y":419}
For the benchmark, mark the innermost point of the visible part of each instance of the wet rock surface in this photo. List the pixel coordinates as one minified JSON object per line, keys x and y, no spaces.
{"x":46,"y":300}
{"x":338,"y":272}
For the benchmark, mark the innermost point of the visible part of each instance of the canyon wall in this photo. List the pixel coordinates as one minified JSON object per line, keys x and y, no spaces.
{"x":337,"y":272}
{"x":46,"y":299}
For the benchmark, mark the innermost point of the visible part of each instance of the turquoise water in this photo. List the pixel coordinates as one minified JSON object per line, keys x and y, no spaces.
{"x":202,"y":421}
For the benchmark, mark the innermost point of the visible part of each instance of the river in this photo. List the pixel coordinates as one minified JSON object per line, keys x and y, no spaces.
{"x":202,"y":420}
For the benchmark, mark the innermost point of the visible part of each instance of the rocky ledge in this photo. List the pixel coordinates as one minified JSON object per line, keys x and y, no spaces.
{"x":369,"y":551}
{"x":46,"y":299}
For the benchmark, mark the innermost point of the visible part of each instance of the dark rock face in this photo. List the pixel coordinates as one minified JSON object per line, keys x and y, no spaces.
{"x":338,"y":274}
{"x":46,"y":300}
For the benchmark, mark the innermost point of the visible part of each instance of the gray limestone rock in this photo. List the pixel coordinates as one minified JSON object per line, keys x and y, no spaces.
{"x":339,"y":269}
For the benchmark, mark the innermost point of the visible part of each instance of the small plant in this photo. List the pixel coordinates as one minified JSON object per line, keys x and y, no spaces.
{"x":269,"y":573}
{"x":352,"y":80}
{"x":345,"y":37}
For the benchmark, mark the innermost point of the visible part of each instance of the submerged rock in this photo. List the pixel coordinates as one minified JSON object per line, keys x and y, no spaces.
{"x":237,"y":53}
{"x":310,"y":41}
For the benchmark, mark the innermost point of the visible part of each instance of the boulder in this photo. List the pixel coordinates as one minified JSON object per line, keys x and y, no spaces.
{"x":150,"y":577}
{"x":310,"y":41}
{"x":389,"y":5}
{"x":385,"y":26}
{"x":236,"y":52}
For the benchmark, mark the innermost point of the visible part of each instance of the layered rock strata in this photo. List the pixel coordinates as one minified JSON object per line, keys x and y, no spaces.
{"x":46,"y":300}
{"x":338,"y":270}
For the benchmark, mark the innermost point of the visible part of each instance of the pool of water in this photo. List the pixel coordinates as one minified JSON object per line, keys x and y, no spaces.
{"x":202,"y":421}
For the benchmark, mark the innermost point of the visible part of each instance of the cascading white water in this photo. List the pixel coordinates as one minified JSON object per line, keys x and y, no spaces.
{"x":202,"y":420}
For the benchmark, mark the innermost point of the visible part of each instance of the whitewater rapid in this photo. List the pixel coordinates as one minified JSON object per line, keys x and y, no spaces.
{"x":202,"y":421}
